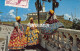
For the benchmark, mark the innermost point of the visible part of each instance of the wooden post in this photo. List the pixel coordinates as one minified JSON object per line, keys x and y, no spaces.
{"x":53,"y":8}
{"x":38,"y":12}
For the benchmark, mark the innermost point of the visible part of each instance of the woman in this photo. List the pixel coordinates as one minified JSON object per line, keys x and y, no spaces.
{"x":17,"y":39}
{"x":54,"y":24}
{"x":32,"y":33}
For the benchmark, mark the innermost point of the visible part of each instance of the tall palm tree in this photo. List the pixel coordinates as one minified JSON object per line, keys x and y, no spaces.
{"x":55,"y":4}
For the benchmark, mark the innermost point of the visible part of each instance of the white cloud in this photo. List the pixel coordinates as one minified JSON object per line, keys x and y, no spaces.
{"x":77,"y":18}
{"x":24,"y":17}
{"x":0,"y":15}
{"x":67,"y":15}
{"x":11,"y":12}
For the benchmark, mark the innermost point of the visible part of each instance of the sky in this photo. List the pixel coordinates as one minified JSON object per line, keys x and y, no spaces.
{"x":66,"y":8}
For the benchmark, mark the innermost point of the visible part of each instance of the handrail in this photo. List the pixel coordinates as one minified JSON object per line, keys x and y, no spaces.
{"x":64,"y":40}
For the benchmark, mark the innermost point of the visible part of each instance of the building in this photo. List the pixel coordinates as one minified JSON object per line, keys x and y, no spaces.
{"x":43,"y":15}
{"x":43,"y":10}
{"x":60,"y":16}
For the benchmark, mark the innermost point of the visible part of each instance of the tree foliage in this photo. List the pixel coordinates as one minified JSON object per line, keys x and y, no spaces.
{"x":76,"y":24}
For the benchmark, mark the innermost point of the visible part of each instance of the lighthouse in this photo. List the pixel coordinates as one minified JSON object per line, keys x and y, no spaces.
{"x":43,"y":8}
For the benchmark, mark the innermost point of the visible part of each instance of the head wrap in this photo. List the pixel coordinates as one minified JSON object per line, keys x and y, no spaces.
{"x":31,"y":18}
{"x":51,"y":11}
{"x":18,"y":18}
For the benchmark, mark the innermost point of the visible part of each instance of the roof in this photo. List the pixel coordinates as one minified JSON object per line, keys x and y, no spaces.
{"x":36,"y":12}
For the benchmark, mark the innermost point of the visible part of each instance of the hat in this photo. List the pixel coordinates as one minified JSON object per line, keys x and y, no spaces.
{"x":31,"y":18}
{"x":18,"y":18}
{"x":51,"y":11}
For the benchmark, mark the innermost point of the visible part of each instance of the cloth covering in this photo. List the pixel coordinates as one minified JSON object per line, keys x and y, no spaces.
{"x":17,"y":39}
{"x":51,"y":29}
{"x":54,"y":24}
{"x":32,"y":35}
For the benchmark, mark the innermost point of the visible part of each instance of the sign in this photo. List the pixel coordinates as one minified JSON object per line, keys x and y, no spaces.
{"x":17,"y":3}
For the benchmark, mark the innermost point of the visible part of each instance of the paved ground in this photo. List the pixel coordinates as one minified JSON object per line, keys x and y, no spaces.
{"x":37,"y":47}
{"x":32,"y":48}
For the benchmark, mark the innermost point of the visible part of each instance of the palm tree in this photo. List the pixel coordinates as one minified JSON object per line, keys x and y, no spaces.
{"x":55,"y":4}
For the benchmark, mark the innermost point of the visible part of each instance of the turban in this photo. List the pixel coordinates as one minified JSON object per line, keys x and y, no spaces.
{"x":51,"y":11}
{"x":18,"y":18}
{"x":31,"y":18}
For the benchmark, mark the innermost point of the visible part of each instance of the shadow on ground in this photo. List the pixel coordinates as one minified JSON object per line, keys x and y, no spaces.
{"x":35,"y":47}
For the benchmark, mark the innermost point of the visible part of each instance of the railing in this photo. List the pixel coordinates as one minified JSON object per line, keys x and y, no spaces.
{"x":2,"y":46}
{"x":5,"y":32}
{"x":63,"y":40}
